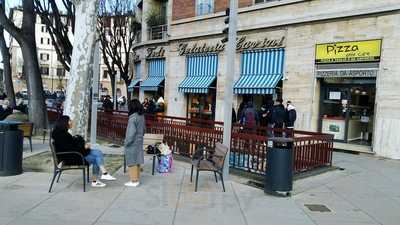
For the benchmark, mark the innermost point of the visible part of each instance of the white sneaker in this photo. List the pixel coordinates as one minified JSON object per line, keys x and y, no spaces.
{"x":107,"y":177}
{"x":132,"y":184}
{"x":98,"y":184}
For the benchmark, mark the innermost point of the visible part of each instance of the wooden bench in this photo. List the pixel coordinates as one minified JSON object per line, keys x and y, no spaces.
{"x":211,"y":160}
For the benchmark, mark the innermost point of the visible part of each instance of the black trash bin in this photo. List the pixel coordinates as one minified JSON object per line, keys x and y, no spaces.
{"x":279,"y":173}
{"x":11,"y":146}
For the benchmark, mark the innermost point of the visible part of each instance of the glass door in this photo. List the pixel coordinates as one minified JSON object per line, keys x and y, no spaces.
{"x":334,"y":110}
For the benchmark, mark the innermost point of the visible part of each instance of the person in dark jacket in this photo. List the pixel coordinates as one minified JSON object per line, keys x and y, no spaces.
{"x":151,"y":109}
{"x":291,"y":116}
{"x":108,"y":105}
{"x":278,"y":116}
{"x":65,"y":142}
{"x":242,"y":107}
{"x":249,"y":117}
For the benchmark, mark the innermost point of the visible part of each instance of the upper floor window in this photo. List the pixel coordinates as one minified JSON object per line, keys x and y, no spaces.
{"x":44,"y":56}
{"x":204,"y":7}
{"x":44,"y":70}
{"x":60,"y":72}
{"x":105,"y":74}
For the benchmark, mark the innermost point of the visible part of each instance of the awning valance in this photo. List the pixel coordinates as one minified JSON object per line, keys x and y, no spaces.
{"x":151,"y":83}
{"x":135,"y":83}
{"x":260,"y":71}
{"x":156,"y":75}
{"x":201,"y":73}
{"x":198,"y":84}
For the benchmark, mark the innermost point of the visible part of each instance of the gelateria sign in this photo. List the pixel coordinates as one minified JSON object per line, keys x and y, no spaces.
{"x":343,"y":52}
{"x":242,"y":44}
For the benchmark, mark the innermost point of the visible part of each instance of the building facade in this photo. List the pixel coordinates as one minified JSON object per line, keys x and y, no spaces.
{"x":338,"y":63}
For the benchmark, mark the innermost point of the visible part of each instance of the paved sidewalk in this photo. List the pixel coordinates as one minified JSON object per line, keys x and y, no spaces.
{"x":366,"y":192}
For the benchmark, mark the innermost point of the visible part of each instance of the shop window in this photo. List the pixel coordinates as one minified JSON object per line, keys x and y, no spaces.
{"x":204,"y":7}
{"x":202,"y":106}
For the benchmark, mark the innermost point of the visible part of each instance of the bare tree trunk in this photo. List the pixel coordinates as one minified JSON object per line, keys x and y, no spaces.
{"x":77,"y":98}
{"x":7,"y":75}
{"x":25,"y":36}
{"x":37,"y":108}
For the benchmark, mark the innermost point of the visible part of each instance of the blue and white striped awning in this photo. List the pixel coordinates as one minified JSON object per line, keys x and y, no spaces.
{"x":138,"y":76}
{"x":134,"y":84}
{"x":156,"y":75}
{"x":260,"y":71}
{"x":201,"y":73}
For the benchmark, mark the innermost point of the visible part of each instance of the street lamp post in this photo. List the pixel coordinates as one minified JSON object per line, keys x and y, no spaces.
{"x":228,"y":90}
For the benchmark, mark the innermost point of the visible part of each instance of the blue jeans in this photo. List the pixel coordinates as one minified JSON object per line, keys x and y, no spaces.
{"x":96,"y":159}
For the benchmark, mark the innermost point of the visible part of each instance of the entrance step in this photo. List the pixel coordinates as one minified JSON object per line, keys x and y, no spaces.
{"x":353,"y":148}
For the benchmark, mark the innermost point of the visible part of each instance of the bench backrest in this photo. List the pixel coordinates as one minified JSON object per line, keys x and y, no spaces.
{"x":27,"y":129}
{"x":53,"y":153}
{"x":219,"y":155}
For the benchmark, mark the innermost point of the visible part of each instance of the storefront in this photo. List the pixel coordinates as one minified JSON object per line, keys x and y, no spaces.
{"x":134,"y":86}
{"x":153,"y":85}
{"x":261,"y":74}
{"x":200,"y":85}
{"x":347,"y":74}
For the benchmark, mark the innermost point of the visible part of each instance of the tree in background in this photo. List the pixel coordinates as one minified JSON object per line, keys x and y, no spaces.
{"x":7,"y":75}
{"x":25,"y":36}
{"x":59,"y":18}
{"x":119,"y":31}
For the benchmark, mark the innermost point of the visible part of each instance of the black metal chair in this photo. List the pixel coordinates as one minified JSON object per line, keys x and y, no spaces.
{"x":59,"y":167}
{"x":211,"y":160}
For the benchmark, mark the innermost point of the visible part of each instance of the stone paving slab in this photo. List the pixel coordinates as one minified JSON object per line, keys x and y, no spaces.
{"x":366,"y":192}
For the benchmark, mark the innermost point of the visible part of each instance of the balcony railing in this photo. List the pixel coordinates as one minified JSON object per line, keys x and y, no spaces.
{"x":158,"y":32}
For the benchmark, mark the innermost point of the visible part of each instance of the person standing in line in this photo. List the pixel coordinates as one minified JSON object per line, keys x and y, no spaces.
{"x":133,"y":146}
{"x":278,"y":116}
{"x":249,"y":118}
{"x":145,"y":104}
{"x":242,"y":107}
{"x":291,"y":116}
{"x":270,"y":124}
